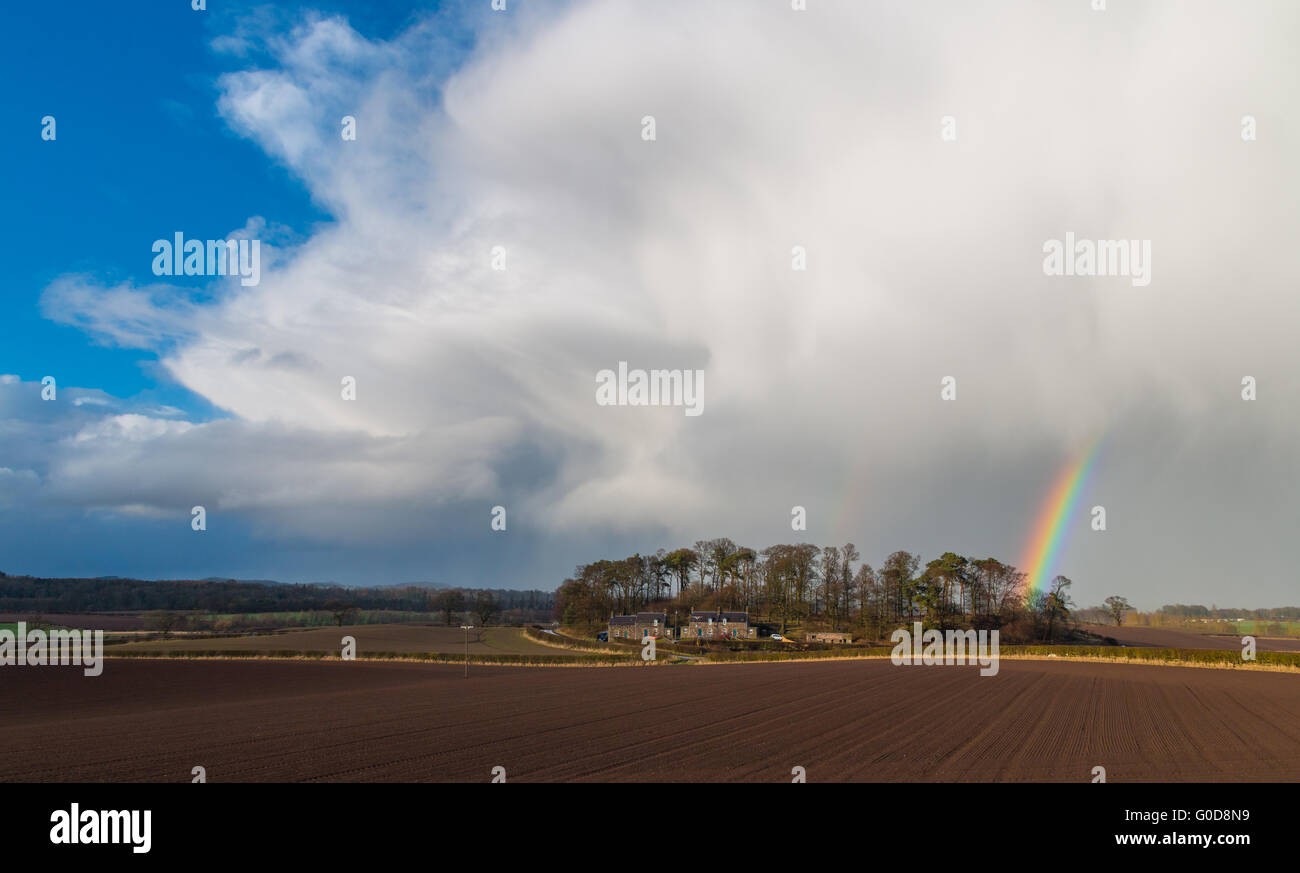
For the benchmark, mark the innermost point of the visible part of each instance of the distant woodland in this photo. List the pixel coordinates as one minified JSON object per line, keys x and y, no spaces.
{"x":832,"y":587}
{"x":34,"y":595}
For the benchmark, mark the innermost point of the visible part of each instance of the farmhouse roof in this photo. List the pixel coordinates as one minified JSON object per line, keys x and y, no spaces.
{"x":640,"y":617}
{"x":705,"y":615}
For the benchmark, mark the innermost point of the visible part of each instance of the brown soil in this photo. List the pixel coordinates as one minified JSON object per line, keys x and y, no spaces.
{"x":1177,"y":639}
{"x":856,"y":720}
{"x":400,"y":638}
{"x":105,"y":621}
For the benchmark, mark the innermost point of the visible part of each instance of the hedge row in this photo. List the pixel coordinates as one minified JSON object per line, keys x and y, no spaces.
{"x":1285,"y":660}
{"x":1134,"y":653}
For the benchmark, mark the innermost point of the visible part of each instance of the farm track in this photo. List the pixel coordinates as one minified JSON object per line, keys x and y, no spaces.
{"x":854,"y":720}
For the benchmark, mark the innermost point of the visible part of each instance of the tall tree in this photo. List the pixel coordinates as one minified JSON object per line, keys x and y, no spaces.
{"x":1118,"y":607}
{"x":803,"y":568}
{"x":872,"y":612}
{"x":848,"y":556}
{"x":341,"y":609}
{"x":897,"y":576}
{"x":485,"y":607}
{"x":448,"y":601}
{"x":829,"y":570}
{"x":1057,"y":604}
{"x":680,"y":563}
{"x":943,"y":576}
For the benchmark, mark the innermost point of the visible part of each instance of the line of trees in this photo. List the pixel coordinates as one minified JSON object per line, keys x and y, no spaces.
{"x":30,"y":594}
{"x":802,"y":582}
{"x":1277,"y":613}
{"x":1118,"y":611}
{"x":452,"y":603}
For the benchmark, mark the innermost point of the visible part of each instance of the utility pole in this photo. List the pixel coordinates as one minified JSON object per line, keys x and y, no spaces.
{"x":467,"y":628}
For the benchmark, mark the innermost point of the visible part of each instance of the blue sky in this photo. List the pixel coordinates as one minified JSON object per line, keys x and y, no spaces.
{"x":141,"y":152}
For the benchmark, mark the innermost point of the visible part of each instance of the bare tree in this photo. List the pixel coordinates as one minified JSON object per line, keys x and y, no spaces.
{"x":164,"y":620}
{"x":1057,"y":603}
{"x":485,"y":607}
{"x":1118,"y":607}
{"x":449,"y":602}
{"x":848,"y":555}
{"x":829,"y":569}
{"x":342,"y":610}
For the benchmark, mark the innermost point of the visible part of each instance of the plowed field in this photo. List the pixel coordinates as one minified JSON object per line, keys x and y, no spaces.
{"x":1178,"y":639}
{"x":858,"y":720}
{"x":394,"y":638}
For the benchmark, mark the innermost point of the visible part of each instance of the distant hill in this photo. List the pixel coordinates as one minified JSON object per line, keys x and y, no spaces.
{"x":225,"y":579}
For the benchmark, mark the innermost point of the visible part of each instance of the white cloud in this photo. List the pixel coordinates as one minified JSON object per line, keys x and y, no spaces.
{"x":774,"y":129}
{"x":131,"y":428}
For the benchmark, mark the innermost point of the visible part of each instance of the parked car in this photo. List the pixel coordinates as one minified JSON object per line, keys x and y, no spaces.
{"x":777,"y":637}
{"x":603,"y":636}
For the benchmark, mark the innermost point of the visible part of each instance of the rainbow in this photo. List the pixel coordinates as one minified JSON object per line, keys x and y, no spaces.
{"x":1055,"y":519}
